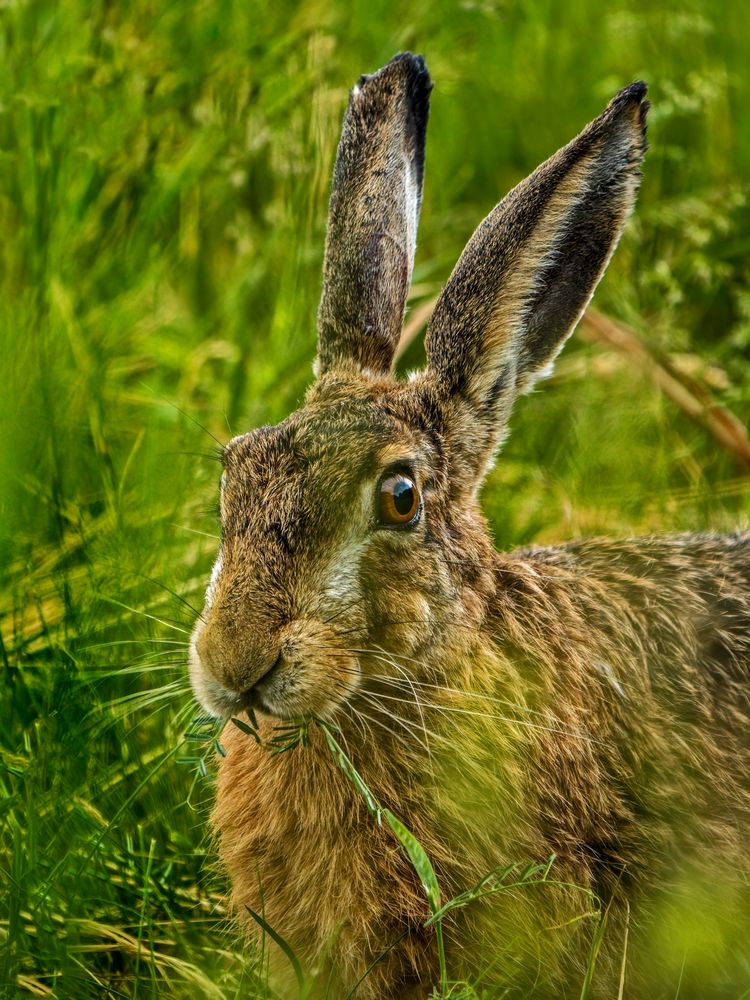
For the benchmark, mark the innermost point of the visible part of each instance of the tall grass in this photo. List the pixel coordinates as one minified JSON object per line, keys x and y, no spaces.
{"x":164,"y":171}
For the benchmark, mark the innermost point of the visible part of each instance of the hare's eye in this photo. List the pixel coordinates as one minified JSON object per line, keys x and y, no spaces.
{"x":398,"y":501}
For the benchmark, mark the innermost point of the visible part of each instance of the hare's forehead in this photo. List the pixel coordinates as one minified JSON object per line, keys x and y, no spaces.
{"x":335,"y":447}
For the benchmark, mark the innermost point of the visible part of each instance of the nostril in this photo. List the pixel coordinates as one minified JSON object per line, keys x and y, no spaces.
{"x":276,"y":663}
{"x":265,"y":672}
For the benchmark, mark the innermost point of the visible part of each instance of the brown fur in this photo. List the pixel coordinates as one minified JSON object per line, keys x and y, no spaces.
{"x":373,"y":217}
{"x":589,"y":700}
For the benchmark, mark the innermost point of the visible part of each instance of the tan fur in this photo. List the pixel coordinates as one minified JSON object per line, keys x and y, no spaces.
{"x":588,"y":701}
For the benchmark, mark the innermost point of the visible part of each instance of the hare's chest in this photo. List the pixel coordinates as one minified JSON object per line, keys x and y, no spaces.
{"x":298,"y":843}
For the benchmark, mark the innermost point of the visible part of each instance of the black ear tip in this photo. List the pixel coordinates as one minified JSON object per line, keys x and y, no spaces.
{"x":635,"y":92}
{"x":629,"y":102}
{"x":630,"y":97}
{"x":407,"y":67}
{"x":418,"y":85}
{"x":413,"y":64}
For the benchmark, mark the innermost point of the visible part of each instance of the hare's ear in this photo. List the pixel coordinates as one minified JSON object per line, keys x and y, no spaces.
{"x":530,"y":269}
{"x":373,"y":215}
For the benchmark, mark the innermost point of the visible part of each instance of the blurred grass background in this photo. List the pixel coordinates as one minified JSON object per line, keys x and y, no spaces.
{"x":164,"y":174}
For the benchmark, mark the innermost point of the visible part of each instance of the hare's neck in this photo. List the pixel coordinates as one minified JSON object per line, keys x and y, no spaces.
{"x":301,"y":845}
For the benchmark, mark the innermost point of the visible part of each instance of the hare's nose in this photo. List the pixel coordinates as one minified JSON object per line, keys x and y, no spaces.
{"x":237,"y":664}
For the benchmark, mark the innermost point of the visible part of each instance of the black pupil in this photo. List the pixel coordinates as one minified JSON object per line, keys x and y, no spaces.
{"x":403,"y":496}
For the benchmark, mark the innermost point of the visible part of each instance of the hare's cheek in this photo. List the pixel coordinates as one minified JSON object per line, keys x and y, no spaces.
{"x":316,"y":677}
{"x":325,"y":684}
{"x":400,"y":594}
{"x":341,"y":577}
{"x":402,"y":620}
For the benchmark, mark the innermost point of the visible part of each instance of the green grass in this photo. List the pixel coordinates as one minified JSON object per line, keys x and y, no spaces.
{"x":164,"y":173}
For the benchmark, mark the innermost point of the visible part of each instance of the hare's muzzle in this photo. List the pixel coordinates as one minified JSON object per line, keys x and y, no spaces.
{"x":298,"y":670}
{"x":226,"y":670}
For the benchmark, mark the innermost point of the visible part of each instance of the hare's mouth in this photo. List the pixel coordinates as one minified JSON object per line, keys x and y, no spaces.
{"x":305,"y":687}
{"x":266,"y":694}
{"x":272,"y":690}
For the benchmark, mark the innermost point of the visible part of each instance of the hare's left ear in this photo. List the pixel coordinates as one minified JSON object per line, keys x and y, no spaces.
{"x":373,"y":215}
{"x":527,"y":274}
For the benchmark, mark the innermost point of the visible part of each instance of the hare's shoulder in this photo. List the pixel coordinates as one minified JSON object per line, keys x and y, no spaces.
{"x":683,"y":599}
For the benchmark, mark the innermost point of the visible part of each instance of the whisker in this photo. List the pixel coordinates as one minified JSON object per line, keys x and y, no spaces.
{"x":524,"y":723}
{"x":176,"y":643}
{"x":412,"y":621}
{"x":195,"y":531}
{"x":180,"y":655}
{"x":416,"y":700}
{"x":193,"y":420}
{"x":149,"y":696}
{"x":341,"y":611}
{"x":357,"y":717}
{"x":498,"y":718}
{"x":561,"y":730}
{"x":145,"y":614}
{"x":444,"y":687}
{"x":137,"y":669}
{"x":466,"y":691}
{"x":378,"y":722}
{"x":372,"y":700}
{"x":174,"y":593}
{"x":175,"y":721}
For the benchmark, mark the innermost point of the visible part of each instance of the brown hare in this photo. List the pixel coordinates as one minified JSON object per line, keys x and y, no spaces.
{"x":587,"y":701}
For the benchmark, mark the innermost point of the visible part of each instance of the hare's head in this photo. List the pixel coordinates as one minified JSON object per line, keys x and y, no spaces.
{"x":351,"y":530}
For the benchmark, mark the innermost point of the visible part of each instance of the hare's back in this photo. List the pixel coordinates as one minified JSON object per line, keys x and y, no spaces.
{"x":642,"y":648}
{"x":680,"y":604}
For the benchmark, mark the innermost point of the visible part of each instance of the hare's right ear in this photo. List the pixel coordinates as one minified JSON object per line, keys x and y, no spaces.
{"x":527,"y":274}
{"x":373,"y":215}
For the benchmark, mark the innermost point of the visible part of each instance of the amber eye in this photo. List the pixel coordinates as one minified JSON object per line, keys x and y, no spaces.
{"x":398,"y":501}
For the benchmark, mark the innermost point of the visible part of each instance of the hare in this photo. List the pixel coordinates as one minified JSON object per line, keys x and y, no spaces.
{"x":586,"y":702}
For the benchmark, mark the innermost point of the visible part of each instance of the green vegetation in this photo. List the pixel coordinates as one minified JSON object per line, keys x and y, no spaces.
{"x":164,"y":172}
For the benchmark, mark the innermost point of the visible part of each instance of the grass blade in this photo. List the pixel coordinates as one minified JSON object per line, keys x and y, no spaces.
{"x":284,"y":945}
